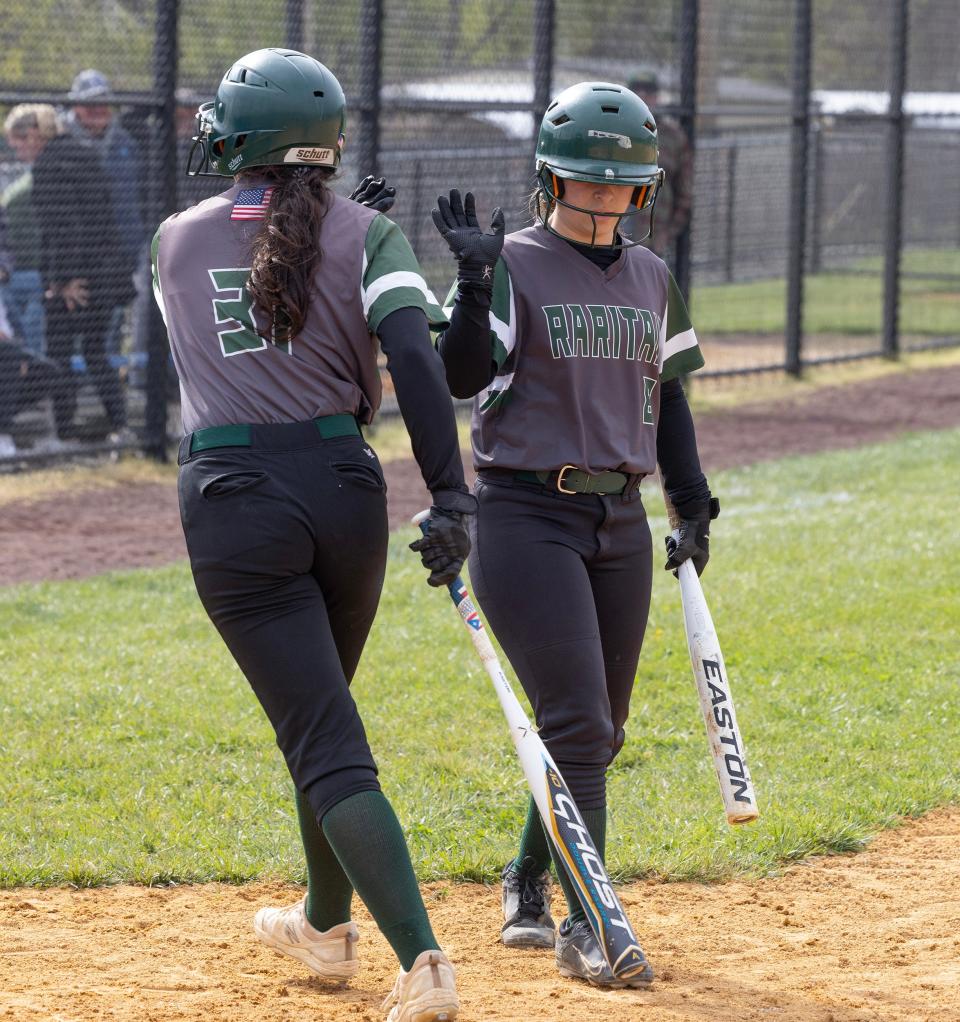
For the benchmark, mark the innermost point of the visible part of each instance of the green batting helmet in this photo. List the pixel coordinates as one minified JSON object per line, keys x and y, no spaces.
{"x":599,"y":132}
{"x":274,"y":106}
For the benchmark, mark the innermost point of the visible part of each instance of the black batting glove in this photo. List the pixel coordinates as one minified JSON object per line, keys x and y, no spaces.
{"x":694,"y":536}
{"x":444,"y":546}
{"x":477,"y":251}
{"x":374,"y":192}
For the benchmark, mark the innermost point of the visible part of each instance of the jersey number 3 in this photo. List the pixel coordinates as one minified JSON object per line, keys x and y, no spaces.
{"x":236,"y":308}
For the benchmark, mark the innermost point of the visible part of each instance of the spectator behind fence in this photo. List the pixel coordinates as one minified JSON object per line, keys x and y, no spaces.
{"x":23,"y":290}
{"x":100,"y":126}
{"x":25,"y":378}
{"x":83,"y":268}
{"x":6,"y":261}
{"x":672,"y":211}
{"x":7,"y":383}
{"x":97,"y":124}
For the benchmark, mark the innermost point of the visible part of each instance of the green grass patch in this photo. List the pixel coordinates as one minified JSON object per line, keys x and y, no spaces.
{"x":837,"y":302}
{"x":133,"y":750}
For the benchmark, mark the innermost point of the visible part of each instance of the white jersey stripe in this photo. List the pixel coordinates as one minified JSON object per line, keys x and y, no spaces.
{"x":498,"y":385}
{"x":678,"y":343}
{"x":391,"y":281}
{"x":157,"y":294}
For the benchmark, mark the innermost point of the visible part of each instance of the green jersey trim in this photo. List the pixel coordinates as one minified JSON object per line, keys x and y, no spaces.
{"x":503,"y":335}
{"x":154,"y":257}
{"x":391,"y":278}
{"x":679,"y":348}
{"x":503,"y":320}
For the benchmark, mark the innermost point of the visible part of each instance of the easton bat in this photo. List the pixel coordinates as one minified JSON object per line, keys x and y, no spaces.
{"x":561,"y":818}
{"x":716,"y":699}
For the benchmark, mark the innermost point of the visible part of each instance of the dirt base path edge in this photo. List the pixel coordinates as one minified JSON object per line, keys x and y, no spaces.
{"x":79,"y":534}
{"x":859,"y":938}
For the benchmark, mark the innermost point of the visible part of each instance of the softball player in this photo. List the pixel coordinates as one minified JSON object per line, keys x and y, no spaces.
{"x":272,"y":293}
{"x":573,"y":341}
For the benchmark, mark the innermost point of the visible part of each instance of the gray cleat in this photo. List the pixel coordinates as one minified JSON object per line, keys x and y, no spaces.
{"x":526,"y":906}
{"x":579,"y":956}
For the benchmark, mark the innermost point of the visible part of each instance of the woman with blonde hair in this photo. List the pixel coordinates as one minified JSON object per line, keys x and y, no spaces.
{"x":83,"y":273}
{"x":27,"y":128}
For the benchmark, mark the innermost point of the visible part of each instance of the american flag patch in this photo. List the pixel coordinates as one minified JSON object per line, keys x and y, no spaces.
{"x":251,"y":204}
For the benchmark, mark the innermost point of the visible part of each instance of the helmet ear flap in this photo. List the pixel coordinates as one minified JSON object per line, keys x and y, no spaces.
{"x":549,"y":183}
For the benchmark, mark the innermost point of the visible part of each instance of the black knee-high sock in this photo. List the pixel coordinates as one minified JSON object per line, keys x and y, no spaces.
{"x":596,"y":821}
{"x":328,"y":890}
{"x":364,"y":833}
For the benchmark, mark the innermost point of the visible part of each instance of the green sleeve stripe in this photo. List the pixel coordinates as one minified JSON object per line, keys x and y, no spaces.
{"x":503,"y":318}
{"x":679,"y":342}
{"x":451,"y":297}
{"x":404,"y":298}
{"x":386,"y":250}
{"x":493,"y":396}
{"x":154,"y":258}
{"x":400,"y":279}
{"x":678,"y":319}
{"x":503,"y":334}
{"x":501,"y":304}
{"x":391,"y":277}
{"x":687,"y":361}
{"x":679,"y":349}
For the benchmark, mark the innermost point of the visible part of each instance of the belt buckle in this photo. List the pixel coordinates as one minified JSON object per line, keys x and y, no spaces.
{"x":560,"y":486}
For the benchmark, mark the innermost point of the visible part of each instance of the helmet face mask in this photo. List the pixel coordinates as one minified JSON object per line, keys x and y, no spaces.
{"x":550,"y":185}
{"x":272,"y":107}
{"x":600,"y":133}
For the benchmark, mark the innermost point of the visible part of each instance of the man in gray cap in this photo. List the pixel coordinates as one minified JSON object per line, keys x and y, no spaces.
{"x":97,"y":124}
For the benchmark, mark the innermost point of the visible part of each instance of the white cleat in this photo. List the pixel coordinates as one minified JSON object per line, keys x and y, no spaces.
{"x":331,"y":953}
{"x":427,"y":993}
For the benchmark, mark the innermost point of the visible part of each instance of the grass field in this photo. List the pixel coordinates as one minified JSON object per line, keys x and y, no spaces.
{"x":132,"y":749}
{"x":837,"y":302}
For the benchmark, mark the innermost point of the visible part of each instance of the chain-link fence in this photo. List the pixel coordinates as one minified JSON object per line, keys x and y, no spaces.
{"x":812,"y":211}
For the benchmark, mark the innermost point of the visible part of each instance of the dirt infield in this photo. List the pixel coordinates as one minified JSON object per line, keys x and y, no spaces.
{"x":80,"y":534}
{"x":861,"y":938}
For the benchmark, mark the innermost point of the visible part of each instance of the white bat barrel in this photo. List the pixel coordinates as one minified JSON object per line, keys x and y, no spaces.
{"x":716,"y":701}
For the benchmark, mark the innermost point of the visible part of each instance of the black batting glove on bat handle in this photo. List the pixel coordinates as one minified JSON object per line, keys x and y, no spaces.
{"x":476,"y":251}
{"x":444,"y":546}
{"x":694,"y":536}
{"x":375,"y":193}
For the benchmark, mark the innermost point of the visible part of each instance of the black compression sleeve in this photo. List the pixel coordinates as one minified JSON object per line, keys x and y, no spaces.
{"x":465,"y":346}
{"x":677,"y":454}
{"x":425,"y":406}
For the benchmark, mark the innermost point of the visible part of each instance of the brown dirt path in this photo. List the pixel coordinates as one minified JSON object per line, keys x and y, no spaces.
{"x":873,"y":937}
{"x":137,"y":525}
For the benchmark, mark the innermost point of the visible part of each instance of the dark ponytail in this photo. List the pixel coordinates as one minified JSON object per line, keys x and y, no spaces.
{"x":286,"y":250}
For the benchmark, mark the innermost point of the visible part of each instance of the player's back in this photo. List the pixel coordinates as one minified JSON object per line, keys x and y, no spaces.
{"x":230,"y":369}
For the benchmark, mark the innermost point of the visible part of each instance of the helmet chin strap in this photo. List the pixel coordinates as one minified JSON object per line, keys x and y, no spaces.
{"x":617,"y":240}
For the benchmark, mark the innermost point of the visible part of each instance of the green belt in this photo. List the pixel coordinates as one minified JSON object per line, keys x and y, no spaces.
{"x":575,"y":480}
{"x":328,"y":426}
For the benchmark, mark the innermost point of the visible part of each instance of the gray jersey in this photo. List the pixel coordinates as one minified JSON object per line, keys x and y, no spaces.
{"x":229,"y":373}
{"x":580,"y":353}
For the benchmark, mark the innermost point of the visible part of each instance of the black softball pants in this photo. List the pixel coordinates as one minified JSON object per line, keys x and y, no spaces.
{"x":564,"y":582}
{"x":288,"y":542}
{"x":92,"y":325}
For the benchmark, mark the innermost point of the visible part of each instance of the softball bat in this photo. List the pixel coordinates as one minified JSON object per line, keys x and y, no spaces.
{"x":716,"y":699}
{"x":561,"y":818}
